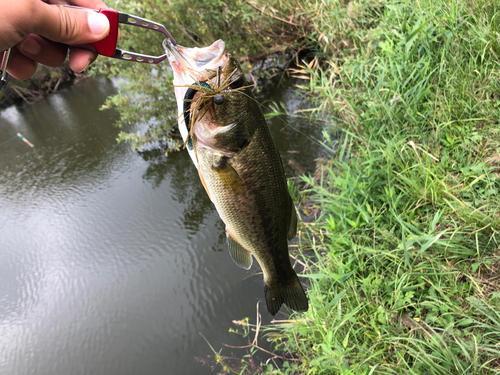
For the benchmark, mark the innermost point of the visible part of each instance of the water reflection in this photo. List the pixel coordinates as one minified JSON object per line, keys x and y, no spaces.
{"x":110,"y":261}
{"x":185,"y":181}
{"x":295,"y":137}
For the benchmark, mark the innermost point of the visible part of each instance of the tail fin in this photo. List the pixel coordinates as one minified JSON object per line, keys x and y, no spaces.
{"x":292,"y":295}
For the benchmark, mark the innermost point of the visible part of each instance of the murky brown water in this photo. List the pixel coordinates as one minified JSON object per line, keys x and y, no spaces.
{"x":112,"y":262}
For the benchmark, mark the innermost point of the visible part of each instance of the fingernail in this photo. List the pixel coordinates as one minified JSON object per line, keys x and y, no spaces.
{"x":30,"y":46}
{"x":98,"y":23}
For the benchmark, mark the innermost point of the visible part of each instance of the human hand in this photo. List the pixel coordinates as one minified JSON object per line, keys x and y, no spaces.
{"x":40,"y":33}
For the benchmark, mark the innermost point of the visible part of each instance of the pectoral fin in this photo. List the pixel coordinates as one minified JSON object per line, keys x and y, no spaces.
{"x":240,"y":256}
{"x":227,"y":174}
{"x":292,"y":226}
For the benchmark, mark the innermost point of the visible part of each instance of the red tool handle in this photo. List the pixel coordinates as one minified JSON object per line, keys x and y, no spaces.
{"x":107,"y":46}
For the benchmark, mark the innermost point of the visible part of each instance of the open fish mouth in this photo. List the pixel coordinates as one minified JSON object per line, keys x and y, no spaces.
{"x":192,"y":64}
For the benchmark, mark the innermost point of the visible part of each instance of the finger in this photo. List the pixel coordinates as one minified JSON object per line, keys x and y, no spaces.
{"x":20,"y":66}
{"x":79,"y":59}
{"x":68,"y":25}
{"x":61,"y":24}
{"x":92,"y":4}
{"x":43,"y":51}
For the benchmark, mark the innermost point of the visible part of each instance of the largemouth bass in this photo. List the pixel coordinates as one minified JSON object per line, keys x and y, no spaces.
{"x":230,"y":144}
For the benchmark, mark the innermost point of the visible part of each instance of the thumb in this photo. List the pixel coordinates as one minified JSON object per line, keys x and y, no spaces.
{"x":69,"y":25}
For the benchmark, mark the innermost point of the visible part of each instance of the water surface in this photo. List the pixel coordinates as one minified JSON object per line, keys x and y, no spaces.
{"x":113,"y":262}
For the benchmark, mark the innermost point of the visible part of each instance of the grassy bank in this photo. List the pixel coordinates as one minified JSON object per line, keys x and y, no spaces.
{"x":404,"y":260}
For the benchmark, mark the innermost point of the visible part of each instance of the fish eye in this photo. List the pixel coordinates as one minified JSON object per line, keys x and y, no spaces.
{"x":236,"y":82}
{"x":218,"y":99}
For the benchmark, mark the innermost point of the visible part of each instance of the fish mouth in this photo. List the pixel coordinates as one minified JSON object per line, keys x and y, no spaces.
{"x":191,"y":64}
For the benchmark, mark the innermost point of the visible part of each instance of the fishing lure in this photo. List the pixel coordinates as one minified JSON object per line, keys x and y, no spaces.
{"x":235,"y":82}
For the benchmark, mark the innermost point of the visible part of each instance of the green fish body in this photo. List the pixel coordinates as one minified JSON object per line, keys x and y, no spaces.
{"x":242,"y":173}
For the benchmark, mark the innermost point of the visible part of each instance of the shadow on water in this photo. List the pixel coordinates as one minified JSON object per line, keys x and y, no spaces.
{"x":185,"y":181}
{"x":114,"y":262}
{"x":296,"y":137}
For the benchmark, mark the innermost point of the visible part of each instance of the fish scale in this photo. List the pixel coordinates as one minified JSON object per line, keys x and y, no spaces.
{"x":240,"y":169}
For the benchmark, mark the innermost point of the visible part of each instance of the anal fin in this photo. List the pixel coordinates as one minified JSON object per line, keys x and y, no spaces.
{"x":239,"y":254}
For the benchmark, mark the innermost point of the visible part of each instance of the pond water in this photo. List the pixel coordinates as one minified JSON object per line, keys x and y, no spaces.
{"x":113,"y":262}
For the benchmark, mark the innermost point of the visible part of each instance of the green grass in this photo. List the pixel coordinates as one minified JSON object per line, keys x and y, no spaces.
{"x":404,"y":260}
